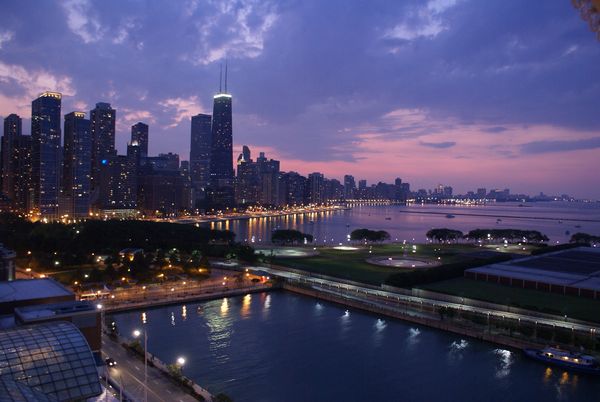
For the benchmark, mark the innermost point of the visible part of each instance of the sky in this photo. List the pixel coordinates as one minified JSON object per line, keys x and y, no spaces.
{"x":467,"y":93}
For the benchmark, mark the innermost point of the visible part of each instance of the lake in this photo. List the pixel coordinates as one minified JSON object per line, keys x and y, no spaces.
{"x":284,"y":347}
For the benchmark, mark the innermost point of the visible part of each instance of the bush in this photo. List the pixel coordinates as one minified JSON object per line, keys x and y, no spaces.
{"x":447,"y":271}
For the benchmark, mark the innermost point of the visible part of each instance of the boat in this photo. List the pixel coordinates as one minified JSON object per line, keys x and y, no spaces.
{"x":577,"y":226}
{"x":387,"y":218}
{"x":449,"y":216}
{"x":565,"y":359}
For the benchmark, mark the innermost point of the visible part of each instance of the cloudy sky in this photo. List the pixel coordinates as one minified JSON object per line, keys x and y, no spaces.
{"x":468,"y":93}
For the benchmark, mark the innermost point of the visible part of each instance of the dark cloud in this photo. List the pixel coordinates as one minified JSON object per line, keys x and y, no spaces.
{"x":541,"y":147}
{"x":440,"y":145}
{"x":495,"y":129}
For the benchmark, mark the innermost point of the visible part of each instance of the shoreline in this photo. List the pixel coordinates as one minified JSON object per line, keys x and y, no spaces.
{"x":247,"y":216}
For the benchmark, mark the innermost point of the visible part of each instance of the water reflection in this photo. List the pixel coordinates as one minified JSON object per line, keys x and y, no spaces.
{"x":378,"y":334}
{"x":456,"y":348}
{"x":184,"y":312}
{"x":144,"y":318}
{"x":220,"y":325}
{"x":224,"y":307}
{"x":506,"y":360}
{"x":172,"y":318}
{"x":245,"y":311}
{"x":413,"y":336}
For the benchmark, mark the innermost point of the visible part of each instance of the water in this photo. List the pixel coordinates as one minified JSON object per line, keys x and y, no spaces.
{"x":280,"y":346}
{"x":554,"y":219}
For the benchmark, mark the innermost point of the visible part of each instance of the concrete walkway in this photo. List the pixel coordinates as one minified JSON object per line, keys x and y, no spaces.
{"x":129,"y":373}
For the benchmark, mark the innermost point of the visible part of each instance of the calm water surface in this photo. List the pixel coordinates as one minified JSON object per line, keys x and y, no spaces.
{"x":283,"y":347}
{"x":558,"y":220}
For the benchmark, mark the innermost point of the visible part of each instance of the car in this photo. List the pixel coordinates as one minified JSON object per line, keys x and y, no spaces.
{"x":110,"y":362}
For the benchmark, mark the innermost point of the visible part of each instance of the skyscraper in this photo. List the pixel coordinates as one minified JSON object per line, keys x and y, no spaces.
{"x":45,"y":153}
{"x":316,"y":188}
{"x":12,"y":130}
{"x":102,"y":125}
{"x":139,"y":134}
{"x":221,"y":155}
{"x":77,"y":165}
{"x":349,"y":187}
{"x":200,"y":149}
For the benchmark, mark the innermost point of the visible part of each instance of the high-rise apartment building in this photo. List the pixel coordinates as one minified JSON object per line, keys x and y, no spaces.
{"x":349,"y":187}
{"x":200,"y":151}
{"x":46,"y":153}
{"x":102,"y":124}
{"x":77,"y":165}
{"x":139,"y":135}
{"x":12,"y":130}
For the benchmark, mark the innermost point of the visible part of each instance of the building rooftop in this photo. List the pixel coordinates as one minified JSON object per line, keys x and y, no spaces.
{"x":42,"y":311}
{"x":28,"y":289}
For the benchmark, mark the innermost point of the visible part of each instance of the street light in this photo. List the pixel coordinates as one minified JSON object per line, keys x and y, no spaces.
{"x":137,"y":334}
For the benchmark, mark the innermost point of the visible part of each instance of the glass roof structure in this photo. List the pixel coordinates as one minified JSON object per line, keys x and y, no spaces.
{"x":53,"y":358}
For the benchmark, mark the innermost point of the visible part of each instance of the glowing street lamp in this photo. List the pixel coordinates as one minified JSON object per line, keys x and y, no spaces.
{"x":137,"y":334}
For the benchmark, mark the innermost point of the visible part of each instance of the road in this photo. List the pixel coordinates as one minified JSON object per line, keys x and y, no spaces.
{"x":129,"y":373}
{"x":380,"y":296}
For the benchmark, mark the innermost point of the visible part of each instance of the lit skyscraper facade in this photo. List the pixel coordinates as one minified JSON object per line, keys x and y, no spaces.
{"x":46,"y":153}
{"x":102,"y":125}
{"x":77,"y":165}
{"x":12,"y":130}
{"x":139,"y":135}
{"x":200,"y":149}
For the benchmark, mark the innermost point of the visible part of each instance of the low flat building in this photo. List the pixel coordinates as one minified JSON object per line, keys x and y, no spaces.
{"x":28,"y":292}
{"x":83,"y":315}
{"x":574,"y":272}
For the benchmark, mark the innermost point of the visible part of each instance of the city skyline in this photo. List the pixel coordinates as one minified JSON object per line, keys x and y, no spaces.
{"x":512,"y":107}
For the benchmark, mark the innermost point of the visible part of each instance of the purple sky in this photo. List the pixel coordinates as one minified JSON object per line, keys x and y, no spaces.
{"x":495,"y":93}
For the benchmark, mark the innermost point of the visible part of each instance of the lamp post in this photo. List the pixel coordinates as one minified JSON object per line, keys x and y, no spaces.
{"x":137,"y":334}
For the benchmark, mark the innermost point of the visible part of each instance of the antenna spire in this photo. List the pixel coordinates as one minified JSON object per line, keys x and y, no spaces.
{"x":225,"y":75}
{"x":220,"y":77}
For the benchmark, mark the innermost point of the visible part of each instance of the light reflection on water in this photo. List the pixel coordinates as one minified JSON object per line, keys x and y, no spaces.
{"x":506,"y":360}
{"x":308,"y":350}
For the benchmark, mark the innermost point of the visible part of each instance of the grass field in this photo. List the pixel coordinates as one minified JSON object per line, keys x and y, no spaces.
{"x":575,"y":307}
{"x":352,"y":265}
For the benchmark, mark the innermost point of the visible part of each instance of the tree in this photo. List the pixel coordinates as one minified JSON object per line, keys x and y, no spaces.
{"x":290,"y":236}
{"x":442,"y":235}
{"x":512,"y":235}
{"x":369,"y":235}
{"x":584,"y":238}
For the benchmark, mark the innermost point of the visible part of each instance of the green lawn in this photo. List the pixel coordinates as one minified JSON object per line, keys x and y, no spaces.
{"x":576,"y":307}
{"x":352,"y":265}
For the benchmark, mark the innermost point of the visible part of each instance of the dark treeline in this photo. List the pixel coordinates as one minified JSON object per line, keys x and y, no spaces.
{"x":369,"y":235}
{"x":447,"y":271}
{"x":290,"y":236}
{"x":74,"y":243}
{"x":511,"y":235}
{"x":584,"y":238}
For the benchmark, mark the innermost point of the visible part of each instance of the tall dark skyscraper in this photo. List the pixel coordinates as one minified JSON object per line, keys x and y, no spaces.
{"x":139,"y":134}
{"x":200,"y":149}
{"x":221,"y":156}
{"x":102,"y":125}
{"x":77,"y":165}
{"x":46,"y":153}
{"x":12,"y":130}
